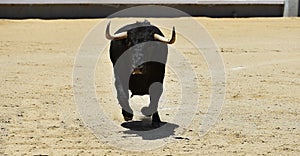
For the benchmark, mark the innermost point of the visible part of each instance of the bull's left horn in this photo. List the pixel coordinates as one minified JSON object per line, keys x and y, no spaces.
{"x":165,"y":40}
{"x":118,"y":36}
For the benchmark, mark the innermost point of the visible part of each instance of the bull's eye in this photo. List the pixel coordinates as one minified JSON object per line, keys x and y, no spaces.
{"x":129,"y":44}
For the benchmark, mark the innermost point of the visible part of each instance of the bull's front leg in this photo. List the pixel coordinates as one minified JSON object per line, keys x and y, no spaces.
{"x":155,"y":91}
{"x":123,"y":97}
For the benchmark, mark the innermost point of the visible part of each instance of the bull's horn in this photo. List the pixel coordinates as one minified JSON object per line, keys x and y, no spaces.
{"x":165,"y":40}
{"x":118,"y":36}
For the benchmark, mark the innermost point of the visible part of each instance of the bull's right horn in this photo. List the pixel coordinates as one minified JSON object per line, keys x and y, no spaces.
{"x":165,"y":40}
{"x":118,"y":36}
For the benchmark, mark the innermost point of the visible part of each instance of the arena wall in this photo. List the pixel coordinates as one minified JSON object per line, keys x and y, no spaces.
{"x":17,"y":9}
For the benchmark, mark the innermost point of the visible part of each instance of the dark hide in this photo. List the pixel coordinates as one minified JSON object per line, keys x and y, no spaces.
{"x":151,"y":72}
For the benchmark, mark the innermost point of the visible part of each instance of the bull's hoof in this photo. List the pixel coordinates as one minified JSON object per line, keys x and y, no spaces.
{"x":157,"y":124}
{"x":127,"y":116}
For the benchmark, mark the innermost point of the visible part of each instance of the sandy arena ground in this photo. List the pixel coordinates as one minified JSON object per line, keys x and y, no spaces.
{"x":260,"y":115}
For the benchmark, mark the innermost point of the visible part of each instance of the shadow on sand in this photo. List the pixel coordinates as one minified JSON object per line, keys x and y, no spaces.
{"x":147,"y":131}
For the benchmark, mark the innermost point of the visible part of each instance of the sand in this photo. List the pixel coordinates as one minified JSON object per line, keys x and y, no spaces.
{"x":260,"y":114}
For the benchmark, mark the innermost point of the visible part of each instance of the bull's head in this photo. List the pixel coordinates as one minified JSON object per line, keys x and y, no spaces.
{"x":135,"y":40}
{"x":124,"y":35}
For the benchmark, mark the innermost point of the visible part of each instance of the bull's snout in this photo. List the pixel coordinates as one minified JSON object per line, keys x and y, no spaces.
{"x":138,"y":70}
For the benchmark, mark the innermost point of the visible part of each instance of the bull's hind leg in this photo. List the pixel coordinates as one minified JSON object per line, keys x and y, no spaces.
{"x":155,"y":91}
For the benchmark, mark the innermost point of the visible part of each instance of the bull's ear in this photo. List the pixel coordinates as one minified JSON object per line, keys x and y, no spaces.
{"x":165,"y":40}
{"x":118,"y":36}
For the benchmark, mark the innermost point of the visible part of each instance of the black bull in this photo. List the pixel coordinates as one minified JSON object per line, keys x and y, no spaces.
{"x":139,"y":53}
